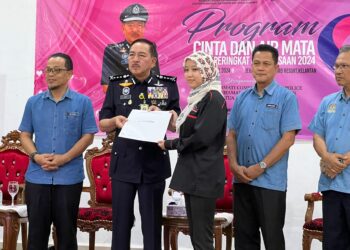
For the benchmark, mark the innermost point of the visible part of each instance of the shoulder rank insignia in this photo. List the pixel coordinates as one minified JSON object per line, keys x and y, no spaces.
{"x":166,"y":78}
{"x":118,"y":77}
{"x":113,"y":45}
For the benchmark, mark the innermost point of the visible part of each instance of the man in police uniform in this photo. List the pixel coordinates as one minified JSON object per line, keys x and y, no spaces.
{"x":115,"y":58}
{"x":138,"y":166}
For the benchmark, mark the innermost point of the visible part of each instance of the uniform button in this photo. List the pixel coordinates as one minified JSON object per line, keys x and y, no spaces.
{"x":115,"y":153}
{"x":164,"y":153}
{"x":140,"y":148}
{"x":252,"y":123}
{"x":248,"y":147}
{"x":249,"y":135}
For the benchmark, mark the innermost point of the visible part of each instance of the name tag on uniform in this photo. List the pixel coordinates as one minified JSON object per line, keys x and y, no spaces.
{"x":125,"y":97}
{"x":271,"y":106}
{"x":72,"y":114}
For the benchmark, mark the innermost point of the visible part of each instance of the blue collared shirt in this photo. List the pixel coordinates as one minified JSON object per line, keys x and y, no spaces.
{"x":56,"y":128}
{"x":332,"y":122}
{"x":259,"y":123}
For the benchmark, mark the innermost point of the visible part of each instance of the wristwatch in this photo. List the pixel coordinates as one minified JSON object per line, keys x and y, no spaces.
{"x":32,"y":155}
{"x":262,"y":165}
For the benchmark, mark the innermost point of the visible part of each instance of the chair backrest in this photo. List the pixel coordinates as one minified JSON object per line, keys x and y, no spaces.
{"x":13,"y":161}
{"x":97,"y":166}
{"x":224,"y":204}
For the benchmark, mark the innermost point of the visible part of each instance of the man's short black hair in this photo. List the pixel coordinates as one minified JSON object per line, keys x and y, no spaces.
{"x":267,"y":48}
{"x":68,"y":61}
{"x":152,"y":46}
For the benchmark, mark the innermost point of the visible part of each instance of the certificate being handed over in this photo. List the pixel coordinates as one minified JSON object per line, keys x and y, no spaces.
{"x":147,"y":126}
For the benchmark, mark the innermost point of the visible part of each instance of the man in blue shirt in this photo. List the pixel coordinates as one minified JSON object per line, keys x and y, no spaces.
{"x":262,"y":127}
{"x":63,"y":124}
{"x":331,"y":127}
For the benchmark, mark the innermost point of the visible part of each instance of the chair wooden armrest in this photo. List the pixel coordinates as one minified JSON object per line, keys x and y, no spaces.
{"x":87,"y":189}
{"x":312,"y":228}
{"x":20,"y":196}
{"x":311,"y":199}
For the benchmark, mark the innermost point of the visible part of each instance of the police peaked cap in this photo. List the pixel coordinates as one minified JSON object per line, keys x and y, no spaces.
{"x":134,"y":12}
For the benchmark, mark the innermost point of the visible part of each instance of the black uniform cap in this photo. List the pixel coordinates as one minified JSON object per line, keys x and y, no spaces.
{"x":134,"y":12}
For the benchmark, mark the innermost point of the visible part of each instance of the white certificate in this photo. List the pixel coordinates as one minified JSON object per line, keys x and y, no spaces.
{"x":147,"y":126}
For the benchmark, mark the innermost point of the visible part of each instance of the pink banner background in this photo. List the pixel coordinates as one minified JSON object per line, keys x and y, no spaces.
{"x":82,"y":29}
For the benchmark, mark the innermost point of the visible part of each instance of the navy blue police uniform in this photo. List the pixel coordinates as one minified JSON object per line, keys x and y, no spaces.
{"x":115,"y":56}
{"x":138,"y":166}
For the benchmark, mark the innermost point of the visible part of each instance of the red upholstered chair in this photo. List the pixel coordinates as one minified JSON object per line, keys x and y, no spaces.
{"x":312,"y":228}
{"x":224,"y":204}
{"x":174,"y":225}
{"x":13,"y":165}
{"x":99,"y":214}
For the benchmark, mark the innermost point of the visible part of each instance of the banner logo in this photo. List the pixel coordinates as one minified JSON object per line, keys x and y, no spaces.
{"x":333,"y":36}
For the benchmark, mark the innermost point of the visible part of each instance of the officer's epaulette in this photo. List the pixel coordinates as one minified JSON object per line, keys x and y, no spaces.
{"x":118,"y":77}
{"x":115,"y":45}
{"x":166,"y":78}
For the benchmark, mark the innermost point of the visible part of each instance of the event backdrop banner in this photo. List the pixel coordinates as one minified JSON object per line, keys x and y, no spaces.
{"x":306,"y":33}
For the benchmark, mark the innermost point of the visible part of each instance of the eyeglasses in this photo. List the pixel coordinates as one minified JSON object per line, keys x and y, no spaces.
{"x":342,"y":66}
{"x":54,"y":70}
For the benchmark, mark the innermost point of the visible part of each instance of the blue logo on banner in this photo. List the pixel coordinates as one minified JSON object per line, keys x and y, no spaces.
{"x":332,"y":38}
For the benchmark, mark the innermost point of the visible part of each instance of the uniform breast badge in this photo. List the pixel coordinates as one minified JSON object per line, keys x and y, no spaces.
{"x":332,"y":108}
{"x":144,"y":105}
{"x":125,"y":84}
{"x":157,"y":93}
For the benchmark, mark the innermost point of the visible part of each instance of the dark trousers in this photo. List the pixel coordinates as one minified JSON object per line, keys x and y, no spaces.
{"x":150,"y":206}
{"x":57,"y":204}
{"x":200,"y":213}
{"x":258,"y":208}
{"x":336,"y":220}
